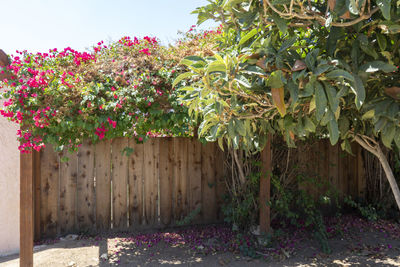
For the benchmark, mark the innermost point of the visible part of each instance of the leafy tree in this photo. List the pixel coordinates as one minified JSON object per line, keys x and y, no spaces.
{"x":297,"y":68}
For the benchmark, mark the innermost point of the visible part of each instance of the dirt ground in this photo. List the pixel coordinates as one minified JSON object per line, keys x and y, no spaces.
{"x":359,"y":243}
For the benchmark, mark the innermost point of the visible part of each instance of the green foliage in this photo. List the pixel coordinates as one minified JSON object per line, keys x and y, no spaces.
{"x":190,"y":217}
{"x":334,"y":79}
{"x":240,"y":210}
{"x":367,"y":211}
{"x":298,"y":208}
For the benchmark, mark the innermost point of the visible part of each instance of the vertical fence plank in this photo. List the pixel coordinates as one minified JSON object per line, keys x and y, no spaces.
{"x":49,"y":195}
{"x":334,"y":165}
{"x":180,"y":179}
{"x":119,"y":183}
{"x":209,"y":210}
{"x":86,"y":194}
{"x":68,"y":180}
{"x":103,"y":185}
{"x":361,"y":179}
{"x":136,"y":184}
{"x":151,"y":164}
{"x":220,"y":174}
{"x":166,"y":176}
{"x":353,"y":164}
{"x":194,"y":170}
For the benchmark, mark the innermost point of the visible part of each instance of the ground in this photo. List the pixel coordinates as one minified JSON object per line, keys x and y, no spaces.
{"x":353,"y":241}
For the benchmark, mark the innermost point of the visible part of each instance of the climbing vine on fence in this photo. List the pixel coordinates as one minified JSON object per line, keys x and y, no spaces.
{"x":120,"y":89}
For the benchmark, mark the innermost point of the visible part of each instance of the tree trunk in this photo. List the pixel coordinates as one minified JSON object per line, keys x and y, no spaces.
{"x":377,"y":151}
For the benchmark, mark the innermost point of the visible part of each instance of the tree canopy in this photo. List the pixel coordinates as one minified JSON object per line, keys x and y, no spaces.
{"x":299,"y":68}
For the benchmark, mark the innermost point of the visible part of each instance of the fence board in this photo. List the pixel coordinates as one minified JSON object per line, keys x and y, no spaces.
{"x":151,"y":164}
{"x":68,"y":193}
{"x":334,"y":165}
{"x":86,"y":194}
{"x":194,"y":168}
{"x":166,"y":176}
{"x":119,"y":183}
{"x":220,"y":173}
{"x":103,"y":185}
{"x":208,"y":182}
{"x":136,"y":184}
{"x":180,"y":179}
{"x":49,"y":195}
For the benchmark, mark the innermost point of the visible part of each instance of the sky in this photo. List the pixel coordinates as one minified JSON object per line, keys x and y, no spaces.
{"x":40,"y":25}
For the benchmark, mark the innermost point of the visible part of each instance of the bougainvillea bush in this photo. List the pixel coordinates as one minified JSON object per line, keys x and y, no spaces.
{"x":120,"y":89}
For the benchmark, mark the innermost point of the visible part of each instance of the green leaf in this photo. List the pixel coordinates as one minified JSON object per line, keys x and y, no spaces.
{"x":359,"y":90}
{"x":388,"y":134}
{"x":321,"y":69}
{"x":353,"y":8}
{"x":333,"y":131}
{"x":248,"y":36}
{"x":339,"y":73}
{"x":346,"y":146}
{"x":374,"y":66}
{"x":216,"y":66}
{"x":213,"y":133}
{"x":280,"y":22}
{"x":380,"y":124}
{"x":397,"y":138}
{"x":320,"y":101}
{"x":228,"y":5}
{"x":235,"y":142}
{"x":332,"y":96}
{"x":381,"y":41}
{"x":311,"y":58}
{"x":253,"y":70}
{"x":182,"y":77}
{"x":231,"y":129}
{"x":369,"y":50}
{"x":275,"y":79}
{"x":294,"y":92}
{"x":309,"y":125}
{"x":368,"y":115}
{"x":243,"y":81}
{"x":221,"y":143}
{"x":194,"y":58}
{"x":240,"y":127}
{"x":384,"y":5}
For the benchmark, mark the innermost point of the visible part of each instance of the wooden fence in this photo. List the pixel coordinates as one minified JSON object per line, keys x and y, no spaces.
{"x":100,"y":188}
{"x":161,"y":182}
{"x":324,"y":166}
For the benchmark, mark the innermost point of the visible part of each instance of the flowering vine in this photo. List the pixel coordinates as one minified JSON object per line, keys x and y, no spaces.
{"x":123,"y":89}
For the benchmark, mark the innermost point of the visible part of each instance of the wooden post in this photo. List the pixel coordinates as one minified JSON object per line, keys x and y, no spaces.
{"x":265,"y":187}
{"x":36,"y":194}
{"x":26,"y":210}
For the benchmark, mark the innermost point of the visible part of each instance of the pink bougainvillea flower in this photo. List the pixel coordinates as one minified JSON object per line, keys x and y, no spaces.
{"x":112,"y":123}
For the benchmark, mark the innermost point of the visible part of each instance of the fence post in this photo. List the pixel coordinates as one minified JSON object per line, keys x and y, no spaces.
{"x":265,"y":187}
{"x":36,"y":194}
{"x":26,"y":210}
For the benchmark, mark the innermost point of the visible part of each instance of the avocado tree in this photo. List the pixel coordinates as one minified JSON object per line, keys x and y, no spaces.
{"x":300,"y":68}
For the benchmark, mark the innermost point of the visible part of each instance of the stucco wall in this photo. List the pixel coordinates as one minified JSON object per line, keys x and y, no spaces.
{"x":9,"y":188}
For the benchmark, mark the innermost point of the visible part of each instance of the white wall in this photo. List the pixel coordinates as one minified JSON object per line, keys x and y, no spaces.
{"x":9,"y":188}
